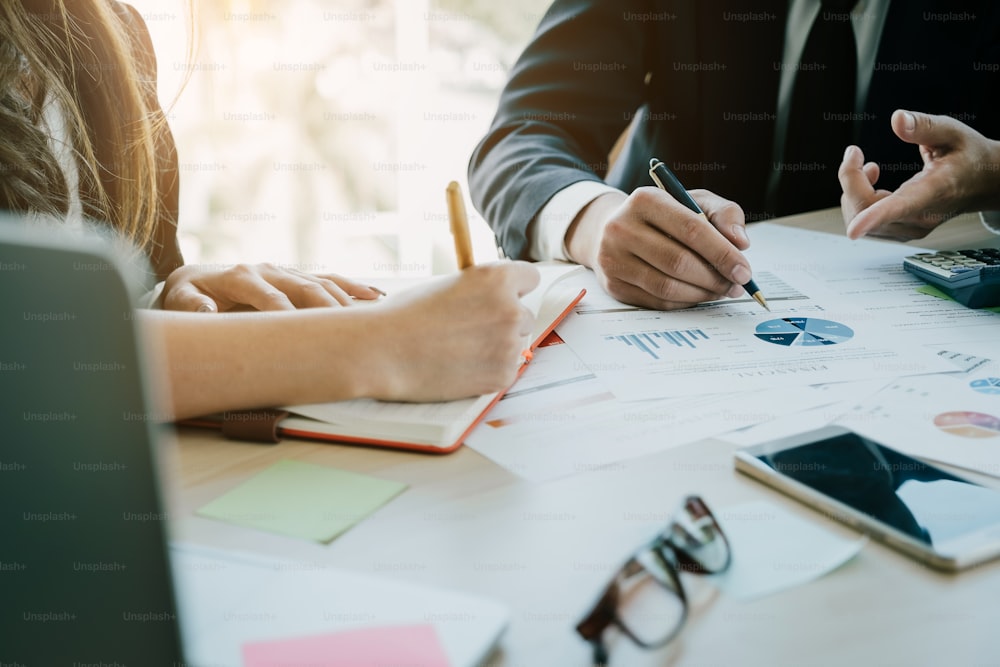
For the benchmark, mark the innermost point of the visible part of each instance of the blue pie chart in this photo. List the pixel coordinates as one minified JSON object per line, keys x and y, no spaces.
{"x":803,"y":332}
{"x":986,"y":385}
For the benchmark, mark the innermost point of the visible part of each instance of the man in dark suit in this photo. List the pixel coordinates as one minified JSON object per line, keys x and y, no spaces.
{"x":754,"y":101}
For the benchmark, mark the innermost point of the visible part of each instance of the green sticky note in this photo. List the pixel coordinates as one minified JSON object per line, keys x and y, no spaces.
{"x":302,"y":500}
{"x":930,"y":290}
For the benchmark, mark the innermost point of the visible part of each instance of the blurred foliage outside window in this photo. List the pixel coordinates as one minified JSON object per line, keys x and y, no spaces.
{"x":321,"y":133}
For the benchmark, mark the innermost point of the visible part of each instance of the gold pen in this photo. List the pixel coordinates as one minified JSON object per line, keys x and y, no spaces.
{"x":459,"y":226}
{"x":463,"y":240}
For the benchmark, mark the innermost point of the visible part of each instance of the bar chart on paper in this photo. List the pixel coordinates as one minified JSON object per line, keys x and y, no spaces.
{"x":644,"y":354}
{"x":653,"y":343}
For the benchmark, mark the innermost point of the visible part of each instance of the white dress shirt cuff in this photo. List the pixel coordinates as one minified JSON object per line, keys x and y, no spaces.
{"x":548,"y":240}
{"x":991,"y":219}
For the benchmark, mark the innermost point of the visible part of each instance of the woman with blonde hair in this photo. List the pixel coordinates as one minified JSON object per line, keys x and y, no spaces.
{"x":82,"y":136}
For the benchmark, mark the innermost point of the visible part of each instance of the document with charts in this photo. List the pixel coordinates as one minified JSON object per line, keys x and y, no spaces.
{"x":812,"y":335}
{"x":953,"y":418}
{"x":869,"y":274}
{"x":559,"y":419}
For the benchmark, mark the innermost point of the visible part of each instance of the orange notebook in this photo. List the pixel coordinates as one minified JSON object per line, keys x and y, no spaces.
{"x":429,"y":427}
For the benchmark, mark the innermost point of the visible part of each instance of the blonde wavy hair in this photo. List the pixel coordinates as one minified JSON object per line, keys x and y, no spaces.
{"x":85,"y":56}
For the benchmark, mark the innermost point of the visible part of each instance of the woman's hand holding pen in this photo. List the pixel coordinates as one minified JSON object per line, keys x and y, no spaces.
{"x":461,"y":335}
{"x":454,"y":337}
{"x":648,"y":249}
{"x":199,"y":288}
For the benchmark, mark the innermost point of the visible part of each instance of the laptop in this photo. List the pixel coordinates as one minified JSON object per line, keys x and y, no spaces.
{"x":87,"y":572}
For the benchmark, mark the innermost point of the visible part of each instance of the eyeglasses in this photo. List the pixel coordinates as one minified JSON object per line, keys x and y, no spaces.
{"x":645,"y":599}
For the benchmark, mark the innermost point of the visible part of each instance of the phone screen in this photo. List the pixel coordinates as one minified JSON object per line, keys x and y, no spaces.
{"x":919,"y":500}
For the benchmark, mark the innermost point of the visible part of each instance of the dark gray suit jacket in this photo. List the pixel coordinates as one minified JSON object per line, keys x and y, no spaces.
{"x":703,"y":76}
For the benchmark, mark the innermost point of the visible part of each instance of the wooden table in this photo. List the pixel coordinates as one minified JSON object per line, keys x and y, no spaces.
{"x":545,"y":549}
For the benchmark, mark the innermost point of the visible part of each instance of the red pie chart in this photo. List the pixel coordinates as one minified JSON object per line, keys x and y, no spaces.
{"x":968,"y":424}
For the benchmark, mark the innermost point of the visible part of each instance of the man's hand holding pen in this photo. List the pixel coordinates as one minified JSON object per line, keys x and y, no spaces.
{"x":650,"y":250}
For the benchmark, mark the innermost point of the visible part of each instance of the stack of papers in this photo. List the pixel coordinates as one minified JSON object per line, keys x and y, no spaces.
{"x":846,"y":322}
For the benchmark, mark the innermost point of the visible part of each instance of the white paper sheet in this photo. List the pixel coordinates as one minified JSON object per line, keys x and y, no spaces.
{"x":809,"y":337}
{"x":953,"y":419}
{"x":560,"y":419}
{"x":226,"y":599}
{"x":774,"y":550}
{"x":870,"y":275}
{"x":844,"y":396}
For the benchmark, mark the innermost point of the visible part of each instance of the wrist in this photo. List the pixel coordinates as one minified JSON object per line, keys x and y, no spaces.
{"x":583,"y":237}
{"x":354,"y":348}
{"x":312,"y":355}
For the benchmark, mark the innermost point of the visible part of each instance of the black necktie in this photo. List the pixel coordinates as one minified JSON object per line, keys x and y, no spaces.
{"x":821,"y":113}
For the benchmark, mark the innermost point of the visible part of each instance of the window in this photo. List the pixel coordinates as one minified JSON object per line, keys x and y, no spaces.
{"x":322,"y":133}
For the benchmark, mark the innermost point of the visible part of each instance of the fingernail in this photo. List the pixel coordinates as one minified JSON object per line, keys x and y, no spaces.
{"x":735,"y":291}
{"x":741,"y":275}
{"x":206,"y":308}
{"x":377,"y":290}
{"x":909,"y":121}
{"x":847,"y":153}
{"x":740,"y":234}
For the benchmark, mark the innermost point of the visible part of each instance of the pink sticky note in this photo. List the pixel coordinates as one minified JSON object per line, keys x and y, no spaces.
{"x":400,"y":646}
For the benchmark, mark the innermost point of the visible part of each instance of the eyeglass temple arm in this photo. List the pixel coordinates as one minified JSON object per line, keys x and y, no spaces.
{"x":600,"y":652}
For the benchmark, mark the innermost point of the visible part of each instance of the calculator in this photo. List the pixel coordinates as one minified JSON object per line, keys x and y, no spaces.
{"x":971,"y":277}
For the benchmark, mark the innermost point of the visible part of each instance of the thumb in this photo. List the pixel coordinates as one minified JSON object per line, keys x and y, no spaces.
{"x":524,"y":276}
{"x":926,"y":129}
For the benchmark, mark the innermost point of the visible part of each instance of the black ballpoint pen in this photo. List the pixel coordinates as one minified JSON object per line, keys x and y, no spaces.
{"x":665,"y":178}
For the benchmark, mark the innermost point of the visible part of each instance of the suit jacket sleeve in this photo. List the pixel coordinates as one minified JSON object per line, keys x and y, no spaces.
{"x":570,"y":95}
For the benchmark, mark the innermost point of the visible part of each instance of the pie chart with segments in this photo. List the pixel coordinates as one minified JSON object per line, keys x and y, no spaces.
{"x":803,"y":332}
{"x":968,"y":424}
{"x":986,"y":386}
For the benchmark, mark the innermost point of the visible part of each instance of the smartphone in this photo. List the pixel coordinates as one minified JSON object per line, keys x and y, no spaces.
{"x":942,"y":520}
